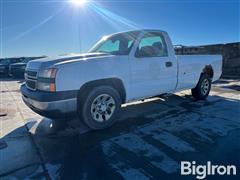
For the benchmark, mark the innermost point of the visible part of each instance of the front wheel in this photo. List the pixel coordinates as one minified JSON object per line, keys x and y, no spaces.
{"x":201,"y":91}
{"x":100,"y":107}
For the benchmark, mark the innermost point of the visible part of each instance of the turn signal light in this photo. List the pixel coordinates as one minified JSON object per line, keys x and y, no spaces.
{"x":52,"y":87}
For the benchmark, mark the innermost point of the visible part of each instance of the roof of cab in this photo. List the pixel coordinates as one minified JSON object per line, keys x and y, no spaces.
{"x":138,"y":31}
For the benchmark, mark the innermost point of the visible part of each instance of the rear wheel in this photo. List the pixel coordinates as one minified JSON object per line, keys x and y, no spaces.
{"x":201,"y":91}
{"x":100,"y":107}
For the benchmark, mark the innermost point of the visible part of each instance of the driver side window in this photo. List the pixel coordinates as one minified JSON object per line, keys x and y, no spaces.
{"x":152,"y":45}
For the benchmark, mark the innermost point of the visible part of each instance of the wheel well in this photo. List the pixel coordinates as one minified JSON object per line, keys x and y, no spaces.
{"x":113,"y":82}
{"x":208,"y":70}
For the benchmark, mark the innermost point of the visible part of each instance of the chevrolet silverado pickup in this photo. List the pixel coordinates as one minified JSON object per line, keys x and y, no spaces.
{"x":120,"y":68}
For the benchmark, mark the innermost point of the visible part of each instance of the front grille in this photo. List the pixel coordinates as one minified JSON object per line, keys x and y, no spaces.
{"x":31,"y":74}
{"x":31,"y":84}
{"x":31,"y":79}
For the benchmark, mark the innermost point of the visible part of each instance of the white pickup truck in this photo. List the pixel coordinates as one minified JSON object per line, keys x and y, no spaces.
{"x":120,"y":68}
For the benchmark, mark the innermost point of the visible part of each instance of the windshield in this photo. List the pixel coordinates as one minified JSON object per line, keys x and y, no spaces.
{"x":118,"y":44}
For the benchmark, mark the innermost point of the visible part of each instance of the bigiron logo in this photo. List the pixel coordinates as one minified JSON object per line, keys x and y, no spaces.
{"x":202,"y":171}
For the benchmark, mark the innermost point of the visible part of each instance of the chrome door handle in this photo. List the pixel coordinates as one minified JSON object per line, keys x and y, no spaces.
{"x":168,"y":64}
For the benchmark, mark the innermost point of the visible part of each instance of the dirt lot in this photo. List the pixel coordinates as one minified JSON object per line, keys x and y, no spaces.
{"x":149,"y":141}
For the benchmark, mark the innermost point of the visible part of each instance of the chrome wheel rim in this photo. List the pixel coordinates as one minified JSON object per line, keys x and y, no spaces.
{"x":205,"y":86}
{"x":103,"y":107}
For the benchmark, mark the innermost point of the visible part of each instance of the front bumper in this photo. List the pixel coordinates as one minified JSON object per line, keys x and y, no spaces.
{"x":51,"y":105}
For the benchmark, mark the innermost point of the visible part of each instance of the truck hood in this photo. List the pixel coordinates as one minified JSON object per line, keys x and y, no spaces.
{"x":51,"y":61}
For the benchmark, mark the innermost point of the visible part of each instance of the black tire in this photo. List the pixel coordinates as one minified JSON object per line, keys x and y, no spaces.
{"x":87,"y":102}
{"x":201,"y":91}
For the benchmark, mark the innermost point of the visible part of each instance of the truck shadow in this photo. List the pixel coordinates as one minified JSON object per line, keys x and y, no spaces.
{"x":131,"y":116}
{"x":148,"y":141}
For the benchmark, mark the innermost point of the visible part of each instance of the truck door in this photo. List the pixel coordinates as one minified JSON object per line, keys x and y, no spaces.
{"x":153,"y":70}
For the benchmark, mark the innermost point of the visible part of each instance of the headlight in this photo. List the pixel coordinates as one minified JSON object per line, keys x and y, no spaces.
{"x":48,"y":73}
{"x":46,"y":86}
{"x":46,"y":80}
